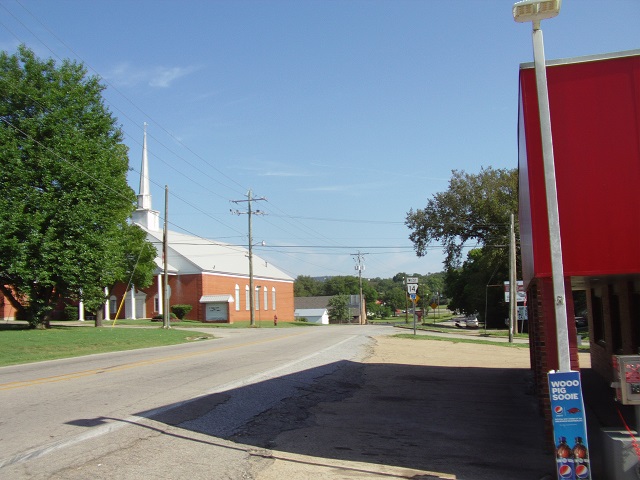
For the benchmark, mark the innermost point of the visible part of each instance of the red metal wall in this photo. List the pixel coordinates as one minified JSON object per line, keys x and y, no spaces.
{"x":595,"y":119}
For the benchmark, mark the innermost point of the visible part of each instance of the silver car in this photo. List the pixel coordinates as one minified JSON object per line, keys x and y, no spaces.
{"x":472,"y":322}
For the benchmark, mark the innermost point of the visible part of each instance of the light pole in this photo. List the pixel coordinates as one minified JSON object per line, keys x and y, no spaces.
{"x":535,"y":11}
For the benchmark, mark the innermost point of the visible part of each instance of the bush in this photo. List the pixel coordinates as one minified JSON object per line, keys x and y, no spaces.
{"x":160,"y":318}
{"x":71,"y":313}
{"x":181,"y":311}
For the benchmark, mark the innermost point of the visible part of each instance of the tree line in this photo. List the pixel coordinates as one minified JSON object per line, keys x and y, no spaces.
{"x":383,"y":296}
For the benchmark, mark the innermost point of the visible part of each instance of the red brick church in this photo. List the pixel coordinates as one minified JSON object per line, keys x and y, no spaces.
{"x":211,"y":276}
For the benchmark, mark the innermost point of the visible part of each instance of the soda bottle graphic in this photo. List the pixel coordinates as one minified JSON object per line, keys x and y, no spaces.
{"x":564,"y":460}
{"x":581,"y":459}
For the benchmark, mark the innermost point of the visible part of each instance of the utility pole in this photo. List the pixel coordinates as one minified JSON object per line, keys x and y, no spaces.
{"x":249,"y":213}
{"x":166,"y":322}
{"x":360,"y":267}
{"x":513,"y":284}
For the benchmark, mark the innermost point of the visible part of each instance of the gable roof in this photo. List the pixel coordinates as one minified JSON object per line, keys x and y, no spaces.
{"x":188,"y":254}
{"x":305,"y":303}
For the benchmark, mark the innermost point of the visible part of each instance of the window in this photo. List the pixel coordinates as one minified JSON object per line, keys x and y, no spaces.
{"x":256,"y":298}
{"x":273,"y":298}
{"x":237,"y":299}
{"x":156,"y":303}
{"x":246,"y":298}
{"x":265,"y":290}
{"x":113,"y":305}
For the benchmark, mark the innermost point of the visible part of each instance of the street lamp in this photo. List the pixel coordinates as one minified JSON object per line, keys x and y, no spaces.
{"x":535,"y":11}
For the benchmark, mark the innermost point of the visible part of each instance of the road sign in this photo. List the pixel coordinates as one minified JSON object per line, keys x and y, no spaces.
{"x":434,"y":305}
{"x":412,"y":296}
{"x":412,"y":280}
{"x":412,"y":288}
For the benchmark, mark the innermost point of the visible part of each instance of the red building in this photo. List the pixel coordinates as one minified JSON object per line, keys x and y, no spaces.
{"x":595,"y":120}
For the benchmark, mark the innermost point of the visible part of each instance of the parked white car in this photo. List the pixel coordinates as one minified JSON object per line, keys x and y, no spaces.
{"x":472,"y":322}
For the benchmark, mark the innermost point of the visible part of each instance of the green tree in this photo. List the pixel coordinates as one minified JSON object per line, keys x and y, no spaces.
{"x":339,"y":307}
{"x":305,"y":286}
{"x":64,"y":200}
{"x":477,"y":286}
{"x":396,"y":298}
{"x":474,"y":208}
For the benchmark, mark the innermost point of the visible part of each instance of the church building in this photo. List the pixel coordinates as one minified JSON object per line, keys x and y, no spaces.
{"x":211,"y":276}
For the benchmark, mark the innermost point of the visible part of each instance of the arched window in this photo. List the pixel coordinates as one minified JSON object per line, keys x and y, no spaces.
{"x":265,"y":291}
{"x":113,"y":305}
{"x":237,"y":297}
{"x":273,"y":298}
{"x":246,"y":298}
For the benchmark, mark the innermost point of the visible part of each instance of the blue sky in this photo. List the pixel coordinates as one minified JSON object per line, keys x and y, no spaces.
{"x":342,"y":114}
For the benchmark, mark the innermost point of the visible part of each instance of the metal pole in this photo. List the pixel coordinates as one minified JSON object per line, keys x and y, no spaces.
{"x":557,"y":269}
{"x":414,"y":316}
{"x":513,"y":284}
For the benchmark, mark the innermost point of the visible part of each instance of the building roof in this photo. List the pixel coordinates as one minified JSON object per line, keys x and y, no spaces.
{"x":190,"y":254}
{"x":216,"y":299}
{"x":310,"y":312}
{"x":305,"y":303}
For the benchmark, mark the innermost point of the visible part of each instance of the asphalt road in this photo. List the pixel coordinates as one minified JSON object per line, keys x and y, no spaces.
{"x":67,"y":418}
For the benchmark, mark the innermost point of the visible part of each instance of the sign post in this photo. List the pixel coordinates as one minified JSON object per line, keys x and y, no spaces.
{"x":412,"y":290}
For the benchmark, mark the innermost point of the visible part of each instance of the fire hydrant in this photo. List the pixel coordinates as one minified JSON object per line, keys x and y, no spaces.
{"x":275,"y":320}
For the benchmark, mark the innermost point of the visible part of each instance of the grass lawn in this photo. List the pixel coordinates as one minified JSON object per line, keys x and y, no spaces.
{"x":19,"y":344}
{"x":22,"y":345}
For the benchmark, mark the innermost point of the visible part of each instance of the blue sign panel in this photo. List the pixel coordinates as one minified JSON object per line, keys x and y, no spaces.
{"x":569,"y":426}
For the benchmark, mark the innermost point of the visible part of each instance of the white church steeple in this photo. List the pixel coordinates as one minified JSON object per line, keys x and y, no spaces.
{"x":144,"y":215}
{"x":144,"y":195}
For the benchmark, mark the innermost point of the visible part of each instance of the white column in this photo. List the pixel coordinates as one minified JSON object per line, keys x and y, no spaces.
{"x":133,"y":302}
{"x":81,"y":308}
{"x":160,"y":302}
{"x":107,"y":314}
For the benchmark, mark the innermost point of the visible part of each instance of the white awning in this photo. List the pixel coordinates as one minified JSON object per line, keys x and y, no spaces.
{"x":216,"y":299}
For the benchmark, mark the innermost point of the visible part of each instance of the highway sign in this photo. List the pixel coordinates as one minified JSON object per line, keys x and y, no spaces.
{"x":412,"y":288}
{"x":412,"y":280}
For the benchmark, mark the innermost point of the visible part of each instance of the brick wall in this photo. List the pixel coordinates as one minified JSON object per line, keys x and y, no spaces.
{"x":544,"y":344}
{"x":188,"y":289}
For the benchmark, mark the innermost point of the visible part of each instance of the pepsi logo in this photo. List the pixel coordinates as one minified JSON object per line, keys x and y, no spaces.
{"x":582,"y":471}
{"x":565,"y":471}
{"x":558,"y":410}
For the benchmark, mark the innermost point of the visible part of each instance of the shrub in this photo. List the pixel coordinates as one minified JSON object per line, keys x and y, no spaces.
{"x":71,"y":313}
{"x":181,"y":311}
{"x":160,"y":318}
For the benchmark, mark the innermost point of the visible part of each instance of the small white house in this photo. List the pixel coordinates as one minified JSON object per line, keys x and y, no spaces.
{"x":313,"y":315}
{"x":313,"y":309}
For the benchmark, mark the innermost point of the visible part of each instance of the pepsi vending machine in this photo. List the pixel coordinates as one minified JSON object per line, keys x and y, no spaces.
{"x":569,"y":426}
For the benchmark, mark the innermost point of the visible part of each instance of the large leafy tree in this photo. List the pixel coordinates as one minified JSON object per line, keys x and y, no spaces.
{"x":476,"y":207}
{"x":475,"y":210}
{"x":64,"y":199}
{"x":339,"y":307}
